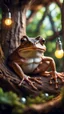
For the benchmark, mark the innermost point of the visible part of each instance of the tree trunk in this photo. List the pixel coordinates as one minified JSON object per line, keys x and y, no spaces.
{"x":9,"y":40}
{"x":11,"y":36}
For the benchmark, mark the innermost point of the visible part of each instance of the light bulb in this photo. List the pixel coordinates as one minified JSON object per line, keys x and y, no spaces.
{"x":59,"y":53}
{"x":8,"y":21}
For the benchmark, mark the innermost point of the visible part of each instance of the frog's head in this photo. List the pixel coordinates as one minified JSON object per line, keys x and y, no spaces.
{"x":31,"y":47}
{"x":31,"y":44}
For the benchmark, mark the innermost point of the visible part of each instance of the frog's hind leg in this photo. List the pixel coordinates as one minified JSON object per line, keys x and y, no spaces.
{"x":46,"y":73}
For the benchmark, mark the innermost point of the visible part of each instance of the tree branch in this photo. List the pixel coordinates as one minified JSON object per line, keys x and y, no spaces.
{"x":46,"y":107}
{"x":30,"y":18}
{"x":42,"y":19}
{"x":55,"y":35}
{"x":58,"y":3}
{"x":52,"y":22}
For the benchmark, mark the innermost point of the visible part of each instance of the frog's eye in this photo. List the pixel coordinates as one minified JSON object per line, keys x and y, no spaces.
{"x":24,"y":39}
{"x":37,"y":38}
{"x":42,"y":41}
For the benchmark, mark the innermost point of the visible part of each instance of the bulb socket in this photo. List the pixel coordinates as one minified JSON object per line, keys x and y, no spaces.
{"x":8,"y":15}
{"x":58,"y":44}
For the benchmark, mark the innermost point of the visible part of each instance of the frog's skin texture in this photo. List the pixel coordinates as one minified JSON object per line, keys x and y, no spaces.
{"x":29,"y":58}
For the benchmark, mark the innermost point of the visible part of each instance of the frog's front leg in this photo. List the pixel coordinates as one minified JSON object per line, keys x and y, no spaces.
{"x":15,"y":65}
{"x":49,"y":63}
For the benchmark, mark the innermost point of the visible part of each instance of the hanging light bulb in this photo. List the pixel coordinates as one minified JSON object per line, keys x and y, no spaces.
{"x":59,"y":50}
{"x":8,"y":19}
{"x":59,"y":54}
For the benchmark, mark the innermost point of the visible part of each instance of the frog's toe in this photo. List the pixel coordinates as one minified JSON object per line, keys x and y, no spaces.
{"x":21,"y":82}
{"x":60,"y":76}
{"x":55,"y":77}
{"x":56,"y":82}
{"x":31,"y":83}
{"x":36,"y":79}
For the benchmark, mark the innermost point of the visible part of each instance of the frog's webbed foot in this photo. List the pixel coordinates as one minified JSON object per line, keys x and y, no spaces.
{"x":55,"y":76}
{"x":31,"y":81}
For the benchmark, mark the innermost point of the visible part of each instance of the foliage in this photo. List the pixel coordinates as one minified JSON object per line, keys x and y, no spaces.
{"x":45,"y":29}
{"x":18,"y":104}
{"x":42,"y":98}
{"x":12,"y":100}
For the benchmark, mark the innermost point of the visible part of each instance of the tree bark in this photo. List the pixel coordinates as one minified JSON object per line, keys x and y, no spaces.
{"x":11,"y":36}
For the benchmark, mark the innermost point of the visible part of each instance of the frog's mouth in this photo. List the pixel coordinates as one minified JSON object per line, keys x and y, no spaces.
{"x":34,"y":48}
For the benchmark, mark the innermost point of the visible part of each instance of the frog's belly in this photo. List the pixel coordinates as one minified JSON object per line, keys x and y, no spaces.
{"x":31,"y":65}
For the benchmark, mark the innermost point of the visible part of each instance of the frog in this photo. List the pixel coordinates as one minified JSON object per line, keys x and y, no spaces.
{"x":29,"y":58}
